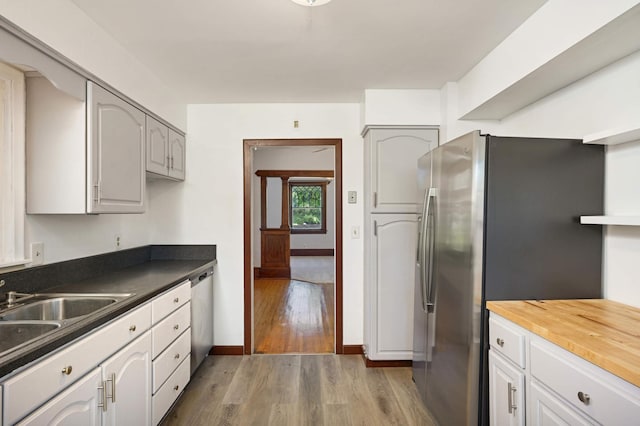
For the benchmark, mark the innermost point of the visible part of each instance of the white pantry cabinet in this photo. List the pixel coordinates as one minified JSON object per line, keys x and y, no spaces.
{"x":390,"y":206}
{"x":391,"y":163}
{"x":389,"y":287}
{"x":165,"y":151}
{"x":83,"y":155}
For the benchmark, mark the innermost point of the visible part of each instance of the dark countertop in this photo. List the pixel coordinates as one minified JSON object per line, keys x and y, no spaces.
{"x":146,"y":280}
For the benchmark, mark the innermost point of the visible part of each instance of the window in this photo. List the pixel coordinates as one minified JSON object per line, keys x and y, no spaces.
{"x":12,"y":165}
{"x":308,"y":207}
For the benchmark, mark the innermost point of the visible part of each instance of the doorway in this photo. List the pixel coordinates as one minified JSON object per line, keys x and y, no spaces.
{"x":294,"y":288}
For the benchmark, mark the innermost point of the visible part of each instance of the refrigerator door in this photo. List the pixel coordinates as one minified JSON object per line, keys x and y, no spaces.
{"x":419,"y":299}
{"x":453,"y":371}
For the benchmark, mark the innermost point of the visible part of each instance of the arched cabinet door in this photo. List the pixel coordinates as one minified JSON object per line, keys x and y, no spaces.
{"x":116,"y":153}
{"x":177,"y":153}
{"x":391,"y":165}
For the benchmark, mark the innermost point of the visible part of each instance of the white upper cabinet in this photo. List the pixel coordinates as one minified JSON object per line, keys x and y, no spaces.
{"x":391,"y":162}
{"x":165,"y":151}
{"x":158,"y":158}
{"x":116,"y":153}
{"x":83,"y":155}
{"x":177,"y":146}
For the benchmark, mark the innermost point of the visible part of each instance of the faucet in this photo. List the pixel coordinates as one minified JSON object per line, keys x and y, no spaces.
{"x":13,"y":296}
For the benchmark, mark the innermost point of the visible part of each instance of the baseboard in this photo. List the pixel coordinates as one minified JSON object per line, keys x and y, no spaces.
{"x":227,"y":350}
{"x":272,"y":273}
{"x":386,"y":363}
{"x":312,"y":252}
{"x":353,"y":350}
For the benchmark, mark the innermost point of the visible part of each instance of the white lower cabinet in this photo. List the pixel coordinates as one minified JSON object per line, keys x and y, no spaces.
{"x":76,"y":406}
{"x":549,"y":410}
{"x":116,"y":393}
{"x":127,"y":372}
{"x":555,"y":387}
{"x":507,"y":392}
{"x":127,"y":379}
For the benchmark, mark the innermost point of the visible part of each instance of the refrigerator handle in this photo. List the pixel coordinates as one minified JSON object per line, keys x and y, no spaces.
{"x":428,"y":302}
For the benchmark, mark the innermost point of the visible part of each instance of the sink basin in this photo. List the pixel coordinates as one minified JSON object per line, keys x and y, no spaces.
{"x":59,"y":307}
{"x":13,"y":334}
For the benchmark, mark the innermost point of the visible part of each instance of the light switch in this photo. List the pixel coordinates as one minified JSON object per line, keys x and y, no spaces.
{"x":352,"y":197}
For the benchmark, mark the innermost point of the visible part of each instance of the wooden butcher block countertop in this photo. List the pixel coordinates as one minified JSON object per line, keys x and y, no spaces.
{"x":603,"y":332}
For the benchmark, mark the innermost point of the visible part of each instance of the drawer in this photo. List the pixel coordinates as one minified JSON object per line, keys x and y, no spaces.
{"x":37,"y":384}
{"x":168,"y":302}
{"x":170,"y":359}
{"x":169,"y":329}
{"x":611,"y":400}
{"x":170,"y":391}
{"x":506,"y":339}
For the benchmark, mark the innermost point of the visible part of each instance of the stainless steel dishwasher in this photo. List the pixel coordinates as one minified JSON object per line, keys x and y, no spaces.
{"x":201,"y":317}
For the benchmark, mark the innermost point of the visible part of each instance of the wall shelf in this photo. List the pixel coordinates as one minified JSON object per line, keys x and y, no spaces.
{"x":610,"y":220}
{"x":614,"y":136}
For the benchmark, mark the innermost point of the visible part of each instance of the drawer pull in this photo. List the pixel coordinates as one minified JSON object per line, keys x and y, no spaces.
{"x":176,"y":387}
{"x":511,"y":390}
{"x":67,"y":370}
{"x":132,"y":328}
{"x":177,"y":356}
{"x":176,"y":300}
{"x":584,"y":398}
{"x":500,"y":342}
{"x":177,"y":326}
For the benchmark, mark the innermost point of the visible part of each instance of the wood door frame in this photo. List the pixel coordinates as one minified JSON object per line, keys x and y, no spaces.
{"x":248,"y":145}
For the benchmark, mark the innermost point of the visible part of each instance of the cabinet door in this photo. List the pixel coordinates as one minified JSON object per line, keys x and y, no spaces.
{"x":506,"y":392}
{"x":76,"y":406}
{"x":158,"y":158}
{"x":127,"y":376}
{"x":115,"y":156}
{"x":391,"y":287}
{"x":547,"y":410}
{"x":177,"y":152}
{"x":394,"y":157}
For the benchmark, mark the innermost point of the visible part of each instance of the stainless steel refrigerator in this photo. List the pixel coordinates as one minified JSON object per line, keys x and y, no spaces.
{"x":499,"y":220}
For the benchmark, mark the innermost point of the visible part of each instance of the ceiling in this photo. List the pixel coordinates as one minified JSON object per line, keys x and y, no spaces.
{"x":236,"y":51}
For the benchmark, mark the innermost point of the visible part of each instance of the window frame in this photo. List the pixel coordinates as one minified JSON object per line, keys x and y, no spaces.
{"x":323,"y":207}
{"x":12,"y":165}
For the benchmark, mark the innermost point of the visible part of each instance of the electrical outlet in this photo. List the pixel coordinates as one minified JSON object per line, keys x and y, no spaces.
{"x":37,"y":253}
{"x":355,"y":232}
{"x":118,"y":241}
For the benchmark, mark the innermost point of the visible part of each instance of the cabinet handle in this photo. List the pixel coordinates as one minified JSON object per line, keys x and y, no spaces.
{"x":584,"y":398}
{"x":177,"y":356}
{"x":375,"y":199}
{"x":132,"y":328}
{"x":511,"y":390}
{"x":176,"y":300}
{"x":176,"y":387}
{"x":113,"y":387}
{"x":177,"y":326}
{"x":67,"y":370}
{"x":168,"y":161}
{"x":171,"y":162}
{"x":103,"y":399}
{"x":500,"y":342}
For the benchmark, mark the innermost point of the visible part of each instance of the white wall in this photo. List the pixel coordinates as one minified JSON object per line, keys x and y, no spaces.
{"x":64,"y":27}
{"x":400,"y":107}
{"x":606,"y":99}
{"x":208,"y":206}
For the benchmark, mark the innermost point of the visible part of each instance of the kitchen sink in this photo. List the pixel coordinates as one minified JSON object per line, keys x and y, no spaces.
{"x":15,"y":333}
{"x":60,"y":307}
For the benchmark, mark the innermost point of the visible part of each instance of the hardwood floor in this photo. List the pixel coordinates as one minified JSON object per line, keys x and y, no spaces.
{"x":293,"y":317}
{"x":298,"y":390}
